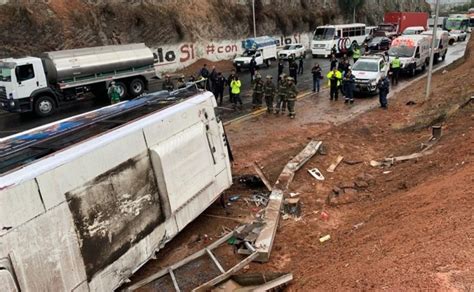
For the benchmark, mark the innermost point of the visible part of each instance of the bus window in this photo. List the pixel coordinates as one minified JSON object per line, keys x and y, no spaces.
{"x":324,"y":34}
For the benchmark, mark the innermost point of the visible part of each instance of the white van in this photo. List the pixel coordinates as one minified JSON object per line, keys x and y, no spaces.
{"x":411,"y":30}
{"x":442,"y":42}
{"x":263,"y":49}
{"x":413,"y":51}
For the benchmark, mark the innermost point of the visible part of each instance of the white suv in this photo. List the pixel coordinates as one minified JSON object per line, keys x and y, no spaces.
{"x":368,"y":70}
{"x":294,"y":51}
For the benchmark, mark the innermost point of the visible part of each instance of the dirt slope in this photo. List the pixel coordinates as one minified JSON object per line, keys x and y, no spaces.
{"x":406,"y":227}
{"x":31,"y":27}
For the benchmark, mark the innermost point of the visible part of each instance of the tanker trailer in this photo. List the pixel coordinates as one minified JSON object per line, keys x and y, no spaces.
{"x":43,"y":84}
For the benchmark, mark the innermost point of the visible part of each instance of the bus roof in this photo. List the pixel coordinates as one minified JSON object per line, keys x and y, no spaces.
{"x":342,"y":25}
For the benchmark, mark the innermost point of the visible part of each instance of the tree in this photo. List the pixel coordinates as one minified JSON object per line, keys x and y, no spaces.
{"x":349,"y":7}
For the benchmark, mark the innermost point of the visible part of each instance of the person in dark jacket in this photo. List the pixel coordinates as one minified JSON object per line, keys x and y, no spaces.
{"x":218,"y":88}
{"x":333,"y":61}
{"x":349,"y":86}
{"x":204,"y":73}
{"x":384,"y":88}
{"x":334,"y":51}
{"x":252,"y":68}
{"x":281,"y":67}
{"x":317,"y":76}
{"x":293,"y":70}
{"x":213,"y":77}
{"x":301,"y":66}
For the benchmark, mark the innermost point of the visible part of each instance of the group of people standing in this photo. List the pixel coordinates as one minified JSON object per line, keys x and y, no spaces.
{"x":278,"y":98}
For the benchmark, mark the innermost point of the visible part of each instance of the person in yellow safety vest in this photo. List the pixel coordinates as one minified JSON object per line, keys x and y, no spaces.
{"x":334,"y":79}
{"x":356,"y":54}
{"x":235,"y":85}
{"x":395,"y":67}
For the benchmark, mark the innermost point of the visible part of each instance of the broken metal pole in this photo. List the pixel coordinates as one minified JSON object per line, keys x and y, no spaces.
{"x":265,"y":239}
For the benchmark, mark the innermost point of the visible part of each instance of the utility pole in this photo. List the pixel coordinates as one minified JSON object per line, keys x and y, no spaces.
{"x":433,"y":45}
{"x":254,"y":23}
{"x":354,"y":15}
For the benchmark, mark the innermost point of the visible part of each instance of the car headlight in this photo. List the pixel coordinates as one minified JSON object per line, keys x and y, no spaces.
{"x":373,"y":82}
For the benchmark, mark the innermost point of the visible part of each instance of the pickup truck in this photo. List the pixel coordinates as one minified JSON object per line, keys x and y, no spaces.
{"x":368,"y":70}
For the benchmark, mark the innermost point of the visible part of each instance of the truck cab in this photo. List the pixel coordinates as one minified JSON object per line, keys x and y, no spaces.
{"x":21,"y":81}
{"x":413,"y":52}
{"x":411,"y":30}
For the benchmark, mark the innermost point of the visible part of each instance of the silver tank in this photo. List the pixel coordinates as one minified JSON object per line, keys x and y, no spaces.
{"x":86,"y":62}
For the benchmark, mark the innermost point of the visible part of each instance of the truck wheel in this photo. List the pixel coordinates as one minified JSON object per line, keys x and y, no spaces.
{"x":44,"y":106}
{"x":435,"y":59}
{"x":413,"y":71}
{"x":136,"y":87}
{"x":268,"y":63}
{"x":122,"y":89}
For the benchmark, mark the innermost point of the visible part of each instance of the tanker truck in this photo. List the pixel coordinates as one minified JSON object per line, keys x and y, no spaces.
{"x":43,"y":84}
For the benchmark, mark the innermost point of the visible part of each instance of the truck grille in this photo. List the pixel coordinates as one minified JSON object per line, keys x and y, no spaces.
{"x":3,"y":93}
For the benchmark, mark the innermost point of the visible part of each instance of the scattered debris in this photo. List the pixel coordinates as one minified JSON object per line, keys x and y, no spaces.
{"x":254,"y":282}
{"x":325,"y":238}
{"x":316,"y":174}
{"x":358,"y":225}
{"x":352,"y":162}
{"x":387,"y":162}
{"x":260,"y":200}
{"x":294,"y":195}
{"x":211,"y":280}
{"x":292,"y":206}
{"x":262,"y":176}
{"x":411,"y":102}
{"x":324,"y":216}
{"x":361,"y":184}
{"x":322,"y":150}
{"x":387,"y":172}
{"x":337,"y":190}
{"x":251,"y":181}
{"x":347,"y":185}
{"x":264,"y":242}
{"x":226,"y":218}
{"x":234,"y":198}
{"x":333,"y":166}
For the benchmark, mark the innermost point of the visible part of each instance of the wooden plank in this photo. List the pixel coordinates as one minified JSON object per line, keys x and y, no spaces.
{"x":262,"y":176}
{"x":216,"y":262}
{"x":265,"y":239}
{"x":333,"y":166}
{"x":175,"y":283}
{"x":208,"y":285}
{"x":183,"y":262}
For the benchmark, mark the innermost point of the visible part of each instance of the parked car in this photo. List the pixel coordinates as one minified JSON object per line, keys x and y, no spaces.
{"x":292,"y":51}
{"x":380,"y":44}
{"x":411,"y":30}
{"x":458,"y":35}
{"x":368,"y":70}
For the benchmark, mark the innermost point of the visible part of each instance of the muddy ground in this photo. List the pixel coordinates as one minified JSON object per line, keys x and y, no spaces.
{"x":408,"y":226}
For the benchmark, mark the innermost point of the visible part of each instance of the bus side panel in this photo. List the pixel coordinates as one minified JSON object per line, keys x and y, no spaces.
{"x":45,"y":252}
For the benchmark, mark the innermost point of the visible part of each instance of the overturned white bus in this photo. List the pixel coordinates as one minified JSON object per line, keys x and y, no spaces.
{"x":86,"y":201}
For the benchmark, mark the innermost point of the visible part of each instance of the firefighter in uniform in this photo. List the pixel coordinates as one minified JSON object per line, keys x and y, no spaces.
{"x":168,"y":84}
{"x":281,"y":104}
{"x":257,"y":92}
{"x":292,"y":92}
{"x":269,"y":93}
{"x":334,"y":79}
{"x":356,"y":54}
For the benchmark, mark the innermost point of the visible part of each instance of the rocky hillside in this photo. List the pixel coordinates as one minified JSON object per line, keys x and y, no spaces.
{"x":30,"y":27}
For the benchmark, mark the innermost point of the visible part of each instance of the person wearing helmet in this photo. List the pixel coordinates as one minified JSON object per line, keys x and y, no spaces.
{"x":282,"y":91}
{"x":292,"y":92}
{"x":181,"y":82}
{"x":168,"y":84}
{"x":114,"y":93}
{"x":269,"y":93}
{"x":257,"y":92}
